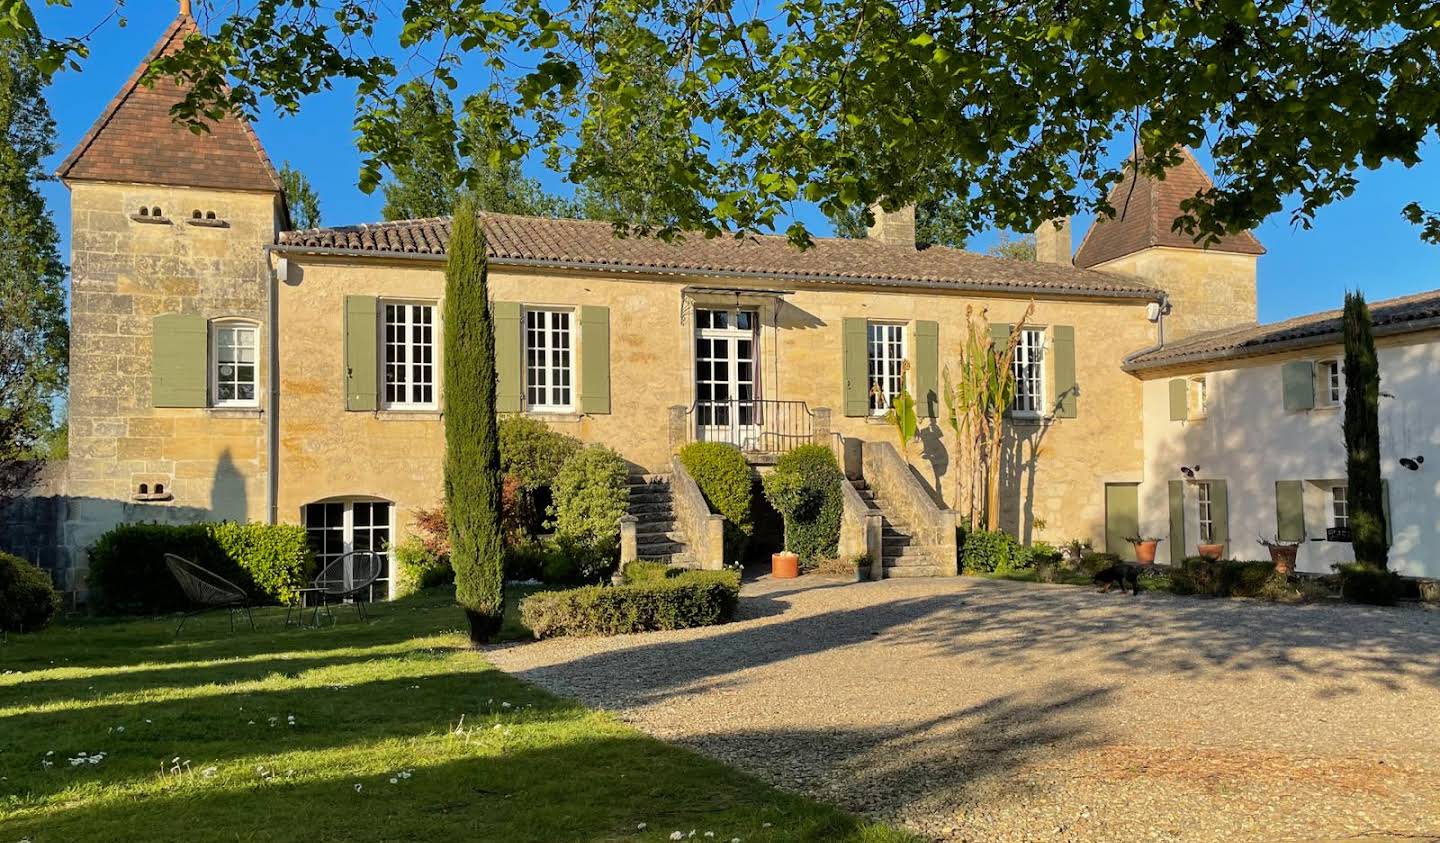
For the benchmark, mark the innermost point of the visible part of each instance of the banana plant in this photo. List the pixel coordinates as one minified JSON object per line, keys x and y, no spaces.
{"x":901,"y":415}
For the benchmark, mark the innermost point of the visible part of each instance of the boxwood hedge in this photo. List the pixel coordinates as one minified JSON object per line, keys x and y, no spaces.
{"x":652,"y":601}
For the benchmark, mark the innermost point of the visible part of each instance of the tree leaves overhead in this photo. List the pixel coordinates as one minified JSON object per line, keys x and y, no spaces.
{"x":1010,"y":109}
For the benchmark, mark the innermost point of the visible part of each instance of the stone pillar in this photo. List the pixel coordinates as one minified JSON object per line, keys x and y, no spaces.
{"x":679,"y":424}
{"x":1052,"y":242}
{"x":629,"y":544}
{"x":820,"y":424}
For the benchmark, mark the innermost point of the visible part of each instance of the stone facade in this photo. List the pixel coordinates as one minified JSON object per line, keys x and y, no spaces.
{"x":126,"y":272}
{"x":1208,"y":290}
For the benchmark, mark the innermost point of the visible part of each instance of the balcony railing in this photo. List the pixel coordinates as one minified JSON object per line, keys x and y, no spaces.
{"x":752,"y":425}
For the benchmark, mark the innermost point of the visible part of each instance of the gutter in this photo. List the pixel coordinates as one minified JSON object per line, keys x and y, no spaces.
{"x":595,"y":266}
{"x":272,"y":418}
{"x":1276,"y":347}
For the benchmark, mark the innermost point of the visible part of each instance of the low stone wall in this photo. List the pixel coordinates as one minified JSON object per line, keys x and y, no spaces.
{"x":893,"y":479}
{"x":704,"y":531}
{"x":860,"y":531}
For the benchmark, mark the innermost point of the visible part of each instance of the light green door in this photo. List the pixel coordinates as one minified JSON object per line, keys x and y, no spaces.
{"x":1122,"y":518}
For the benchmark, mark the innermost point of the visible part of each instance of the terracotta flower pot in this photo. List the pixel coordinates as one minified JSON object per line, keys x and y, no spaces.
{"x":784,"y":565}
{"x":1145,"y":552}
{"x":1283,"y":555}
{"x":1210,"y":551}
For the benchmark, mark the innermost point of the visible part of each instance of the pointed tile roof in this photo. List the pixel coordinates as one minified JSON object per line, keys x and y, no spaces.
{"x":135,"y":140}
{"x":1145,"y":208}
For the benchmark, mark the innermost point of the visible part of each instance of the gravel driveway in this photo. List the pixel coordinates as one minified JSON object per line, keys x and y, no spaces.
{"x":969,"y":709}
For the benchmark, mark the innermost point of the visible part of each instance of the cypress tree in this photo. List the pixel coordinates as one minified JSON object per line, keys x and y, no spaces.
{"x":1364,"y":487}
{"x":472,"y":444}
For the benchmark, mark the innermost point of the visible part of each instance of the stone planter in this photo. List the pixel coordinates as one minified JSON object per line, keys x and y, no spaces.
{"x":1145,"y":552}
{"x":784,"y":565}
{"x":1283,"y":555}
{"x":1213,"y":552}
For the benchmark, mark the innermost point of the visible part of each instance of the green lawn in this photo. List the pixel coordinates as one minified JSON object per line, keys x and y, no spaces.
{"x":399,"y":732}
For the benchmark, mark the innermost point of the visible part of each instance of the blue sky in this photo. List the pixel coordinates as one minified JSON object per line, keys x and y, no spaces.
{"x":1360,"y":243}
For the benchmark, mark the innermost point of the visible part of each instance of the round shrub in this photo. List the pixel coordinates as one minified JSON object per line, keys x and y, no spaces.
{"x":805,"y":489}
{"x":991,"y":551}
{"x":417,"y":567}
{"x":28,"y":601}
{"x":532,"y":453}
{"x":591,"y":494}
{"x":724,"y":479}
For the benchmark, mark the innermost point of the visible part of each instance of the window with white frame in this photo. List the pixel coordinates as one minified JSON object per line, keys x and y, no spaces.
{"x":1207,"y":516}
{"x":1331,"y":386}
{"x":409,"y":339}
{"x":336,"y":528}
{"x":1339,"y":507}
{"x":549,"y":360}
{"x":234,"y":350}
{"x":887,"y":364}
{"x":1198,"y":397}
{"x":1029,"y":367}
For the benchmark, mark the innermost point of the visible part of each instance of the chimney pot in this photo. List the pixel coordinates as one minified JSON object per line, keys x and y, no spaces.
{"x":893,"y":228}
{"x":1052,"y":242}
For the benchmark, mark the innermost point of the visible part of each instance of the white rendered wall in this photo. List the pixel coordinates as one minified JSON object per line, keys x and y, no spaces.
{"x":1249,"y":440}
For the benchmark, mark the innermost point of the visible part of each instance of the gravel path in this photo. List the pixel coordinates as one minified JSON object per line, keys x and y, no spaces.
{"x":978,"y":710}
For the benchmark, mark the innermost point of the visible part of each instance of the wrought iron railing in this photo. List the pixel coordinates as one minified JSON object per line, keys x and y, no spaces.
{"x":756,"y":425}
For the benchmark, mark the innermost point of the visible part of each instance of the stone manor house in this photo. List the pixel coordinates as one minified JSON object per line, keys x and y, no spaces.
{"x":226,"y":367}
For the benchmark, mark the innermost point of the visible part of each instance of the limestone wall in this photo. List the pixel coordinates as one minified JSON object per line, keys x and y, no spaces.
{"x":1208,"y":290}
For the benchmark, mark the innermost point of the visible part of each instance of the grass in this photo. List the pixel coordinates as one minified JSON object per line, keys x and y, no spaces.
{"x":400,"y":732}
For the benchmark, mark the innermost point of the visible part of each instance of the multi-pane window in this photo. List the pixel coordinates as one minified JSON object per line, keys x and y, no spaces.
{"x":409,"y":356}
{"x":548,"y":359}
{"x":726,"y":385}
{"x":336,"y":528}
{"x":233,"y":351}
{"x":1198,"y":398}
{"x":1207,"y":517}
{"x":887,"y":364}
{"x":1029,"y":369}
{"x":1331,"y":383}
{"x":1339,"y":507}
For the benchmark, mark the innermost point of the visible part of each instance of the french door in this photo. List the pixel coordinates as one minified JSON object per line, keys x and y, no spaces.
{"x":726,"y":391}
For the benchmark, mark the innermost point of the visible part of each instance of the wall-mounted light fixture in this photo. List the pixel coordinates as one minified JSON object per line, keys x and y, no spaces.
{"x":1412,"y":463}
{"x":1189,"y":471}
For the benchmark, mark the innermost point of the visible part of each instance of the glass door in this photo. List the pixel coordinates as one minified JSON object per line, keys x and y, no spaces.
{"x":726,"y":395}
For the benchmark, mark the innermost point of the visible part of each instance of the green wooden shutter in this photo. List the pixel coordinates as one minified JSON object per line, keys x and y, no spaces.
{"x":508,"y":356}
{"x":1177,"y":520}
{"x":594,"y":359}
{"x":1179,"y":399}
{"x":179,"y":348}
{"x":927,"y":369}
{"x":362,"y":360}
{"x":1220,"y":511}
{"x":1299,"y":383}
{"x":1289,"y":510}
{"x":856,"y":367}
{"x":1066,"y":389}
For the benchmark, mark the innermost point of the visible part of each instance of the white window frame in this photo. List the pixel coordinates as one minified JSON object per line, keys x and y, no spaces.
{"x":886,"y":350}
{"x":1205,"y":512}
{"x":1339,"y":500}
{"x":1197,"y":397}
{"x":550,"y":368}
{"x":214,"y":363}
{"x":1330,"y":380}
{"x":384,"y":587}
{"x":1029,"y":402}
{"x":410,"y":383}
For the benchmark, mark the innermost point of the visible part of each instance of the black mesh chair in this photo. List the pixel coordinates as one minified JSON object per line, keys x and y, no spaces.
{"x":207,"y":591}
{"x":345,"y":578}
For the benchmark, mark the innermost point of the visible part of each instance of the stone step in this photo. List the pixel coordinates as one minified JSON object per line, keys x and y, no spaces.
{"x":914,"y":571}
{"x":650,"y":498}
{"x":649,"y":526}
{"x":667,"y":548}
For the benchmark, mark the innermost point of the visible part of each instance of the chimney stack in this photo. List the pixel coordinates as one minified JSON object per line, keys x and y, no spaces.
{"x":893,"y":228}
{"x":1052,"y":242}
{"x":184,"y":8}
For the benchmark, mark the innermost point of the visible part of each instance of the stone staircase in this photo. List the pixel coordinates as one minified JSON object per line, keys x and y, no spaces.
{"x":901,"y":556}
{"x":657,"y":540}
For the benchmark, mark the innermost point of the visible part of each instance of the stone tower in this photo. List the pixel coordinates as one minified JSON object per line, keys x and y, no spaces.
{"x":1210,"y":287}
{"x":168,"y":386}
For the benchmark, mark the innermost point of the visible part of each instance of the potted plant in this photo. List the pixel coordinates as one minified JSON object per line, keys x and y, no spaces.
{"x":1212,"y":552}
{"x":1282,"y":553}
{"x":1145,"y":547}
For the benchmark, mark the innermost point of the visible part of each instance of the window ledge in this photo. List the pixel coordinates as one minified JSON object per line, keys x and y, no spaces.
{"x":409,"y":415}
{"x":150,"y":220}
{"x":153,"y":498}
{"x":204,"y":223}
{"x":558,"y":417}
{"x":234,"y":412}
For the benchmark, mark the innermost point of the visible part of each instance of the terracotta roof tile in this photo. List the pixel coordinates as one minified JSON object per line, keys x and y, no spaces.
{"x":135,"y":139}
{"x":1416,"y":312}
{"x":589,"y":244}
{"x":1145,"y":208}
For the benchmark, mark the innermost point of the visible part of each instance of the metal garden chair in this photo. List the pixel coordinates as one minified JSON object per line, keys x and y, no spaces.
{"x":207,"y":591}
{"x":345,"y":578}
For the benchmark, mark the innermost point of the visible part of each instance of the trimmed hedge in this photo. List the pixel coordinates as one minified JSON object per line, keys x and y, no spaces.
{"x":128,"y":573}
{"x":724,"y":479}
{"x":1221,"y":578}
{"x":1360,"y":583}
{"x":688,"y":599}
{"x":28,"y":601}
{"x":805,"y":489}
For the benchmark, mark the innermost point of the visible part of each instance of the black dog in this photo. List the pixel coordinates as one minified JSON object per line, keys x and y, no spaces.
{"x":1122,"y":573}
